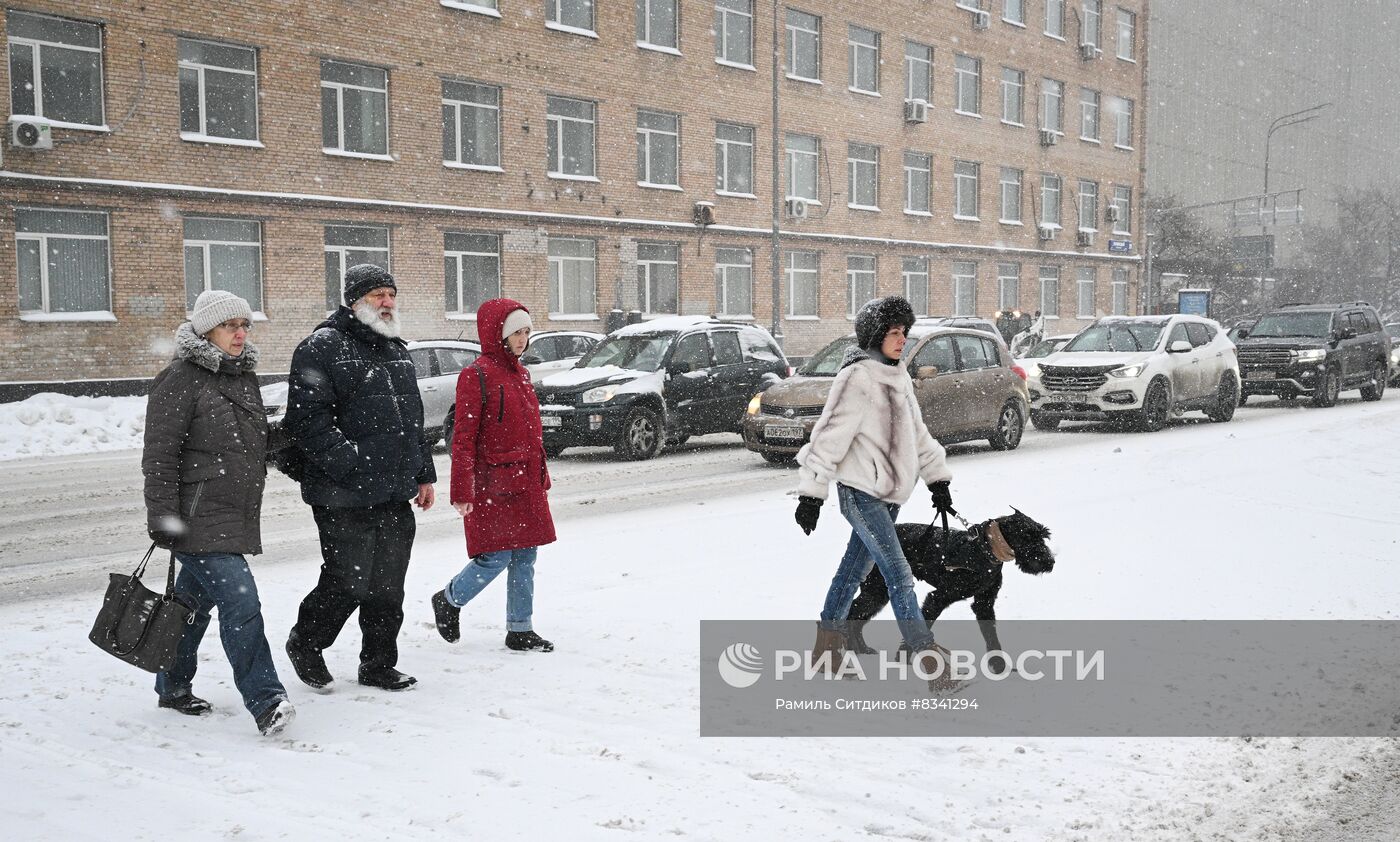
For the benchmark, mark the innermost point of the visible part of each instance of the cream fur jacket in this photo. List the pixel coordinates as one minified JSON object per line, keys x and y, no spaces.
{"x":871,"y":436}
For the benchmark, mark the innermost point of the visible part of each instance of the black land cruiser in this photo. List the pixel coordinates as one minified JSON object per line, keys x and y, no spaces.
{"x":1317,"y":350}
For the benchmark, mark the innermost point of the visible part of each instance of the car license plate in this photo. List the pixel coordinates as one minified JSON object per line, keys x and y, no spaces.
{"x":1258,"y":374}
{"x":783,"y":431}
{"x":1052,"y":398}
{"x":551,"y":421}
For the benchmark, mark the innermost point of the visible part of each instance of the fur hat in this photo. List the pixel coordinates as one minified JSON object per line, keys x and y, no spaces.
{"x":213,"y":307}
{"x":878,"y":315}
{"x":364,"y":277}
{"x":515,"y":320}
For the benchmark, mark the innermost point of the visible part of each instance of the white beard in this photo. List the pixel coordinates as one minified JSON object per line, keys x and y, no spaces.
{"x":382,"y":322}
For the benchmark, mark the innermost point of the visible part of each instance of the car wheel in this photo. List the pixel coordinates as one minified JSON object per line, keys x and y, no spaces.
{"x":641,"y":435}
{"x":553,"y":450}
{"x":1044,"y":422}
{"x":1326,"y":393}
{"x":1156,"y":406}
{"x":1227,"y":397}
{"x":1010,"y":425}
{"x":780,"y":458}
{"x":447,"y":431}
{"x":1376,"y":390}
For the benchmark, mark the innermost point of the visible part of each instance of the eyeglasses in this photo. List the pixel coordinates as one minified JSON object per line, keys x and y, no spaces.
{"x":235,"y":326}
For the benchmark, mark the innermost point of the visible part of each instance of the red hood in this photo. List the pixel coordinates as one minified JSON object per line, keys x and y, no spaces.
{"x":490,"y":317}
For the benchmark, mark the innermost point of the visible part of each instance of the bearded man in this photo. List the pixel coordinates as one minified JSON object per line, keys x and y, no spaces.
{"x":354,"y":411}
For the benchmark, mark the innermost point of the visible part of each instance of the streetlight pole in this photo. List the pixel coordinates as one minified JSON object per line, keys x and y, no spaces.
{"x":775,"y":246}
{"x":1284,"y":122}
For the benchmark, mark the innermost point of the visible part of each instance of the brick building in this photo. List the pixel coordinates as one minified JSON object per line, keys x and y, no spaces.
{"x":556,"y":152}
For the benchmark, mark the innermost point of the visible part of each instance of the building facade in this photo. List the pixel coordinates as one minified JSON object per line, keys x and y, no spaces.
{"x":581,"y":158}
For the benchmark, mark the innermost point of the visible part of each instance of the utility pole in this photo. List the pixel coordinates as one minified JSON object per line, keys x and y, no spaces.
{"x":775,"y":246}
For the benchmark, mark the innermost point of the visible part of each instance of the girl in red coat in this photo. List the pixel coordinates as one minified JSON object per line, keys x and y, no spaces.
{"x":499,"y":477}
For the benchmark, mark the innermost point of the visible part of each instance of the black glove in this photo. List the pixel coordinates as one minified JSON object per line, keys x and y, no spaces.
{"x":942,"y":499}
{"x":808,"y":510}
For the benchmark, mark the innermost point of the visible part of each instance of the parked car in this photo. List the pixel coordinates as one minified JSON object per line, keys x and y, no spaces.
{"x":659,"y":382}
{"x":1140,"y":370}
{"x":1392,"y":329}
{"x":1030,"y":361}
{"x":966,"y":382}
{"x":557,"y":350}
{"x":1319,"y":350}
{"x":987,"y":326}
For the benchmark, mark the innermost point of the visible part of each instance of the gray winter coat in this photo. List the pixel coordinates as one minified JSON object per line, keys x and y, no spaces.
{"x":206,"y":437}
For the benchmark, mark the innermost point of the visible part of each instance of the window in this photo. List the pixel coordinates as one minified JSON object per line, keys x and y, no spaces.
{"x":1085,"y":285}
{"x":1088,"y":114}
{"x":937,"y":352}
{"x":223,"y":254}
{"x":471,"y":270}
{"x":1014,"y":11}
{"x":1123,"y":201}
{"x":471,"y":125}
{"x":757,"y":345}
{"x":802,"y":283}
{"x":1120,"y":296}
{"x":734,"y":32}
{"x":1050,"y":292}
{"x":725,"y":344}
{"x":865,"y":60}
{"x":915,"y":272}
{"x":574,"y":15}
{"x":918,"y":71}
{"x":972,"y":352}
{"x":658,"y":277}
{"x":354,"y":109}
{"x":218,"y":91}
{"x":694,"y":349}
{"x":1201,"y":334}
{"x":488,"y":7}
{"x":573,"y":273}
{"x":1011,"y":195}
{"x":965,"y":178}
{"x":1055,"y":18}
{"x":860,"y":281}
{"x":1122,"y":111}
{"x":1088,"y":205}
{"x":1092,"y":21}
{"x":453,"y":360}
{"x":734,"y":282}
{"x":1008,"y":286}
{"x":349,"y":245}
{"x":569,"y":141}
{"x":734,"y":159}
{"x":1050,"y":186}
{"x":802,"y":153}
{"x":863,"y":170}
{"x":63,"y":261}
{"x":1013,"y":96}
{"x":804,"y":46}
{"x":918,"y":182}
{"x":1127,"y":35}
{"x":656,"y":24}
{"x":658,"y":149}
{"x":56,"y":69}
{"x":1052,"y":97}
{"x":967,"y":72}
{"x":964,"y":288}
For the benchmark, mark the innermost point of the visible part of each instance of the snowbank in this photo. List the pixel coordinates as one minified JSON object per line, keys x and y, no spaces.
{"x":50,"y":424}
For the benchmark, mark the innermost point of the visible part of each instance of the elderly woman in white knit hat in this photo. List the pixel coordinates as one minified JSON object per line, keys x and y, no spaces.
{"x":204,"y":463}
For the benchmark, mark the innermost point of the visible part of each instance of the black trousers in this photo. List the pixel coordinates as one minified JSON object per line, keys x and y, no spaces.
{"x":364,"y":555}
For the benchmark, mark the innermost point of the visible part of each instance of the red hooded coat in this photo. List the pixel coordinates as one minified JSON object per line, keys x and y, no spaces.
{"x":498,"y":461}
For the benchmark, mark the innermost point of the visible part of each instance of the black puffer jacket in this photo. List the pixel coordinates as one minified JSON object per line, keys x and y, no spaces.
{"x":354,"y":411}
{"x":206,"y":437}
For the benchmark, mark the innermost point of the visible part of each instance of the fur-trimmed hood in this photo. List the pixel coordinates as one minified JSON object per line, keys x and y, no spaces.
{"x":205,"y":354}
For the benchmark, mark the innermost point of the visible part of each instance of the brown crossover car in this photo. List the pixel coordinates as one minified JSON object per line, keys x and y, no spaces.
{"x":967,"y":384}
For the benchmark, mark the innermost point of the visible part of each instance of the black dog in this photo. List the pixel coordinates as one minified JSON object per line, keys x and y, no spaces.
{"x":963,"y":567}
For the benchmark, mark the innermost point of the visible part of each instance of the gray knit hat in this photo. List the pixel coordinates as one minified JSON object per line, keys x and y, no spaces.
{"x":364,"y":277}
{"x":213,"y":307}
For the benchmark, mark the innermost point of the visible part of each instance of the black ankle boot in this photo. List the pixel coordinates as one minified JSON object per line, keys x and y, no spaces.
{"x":448,"y":617}
{"x":187,"y":703}
{"x":386,"y":678}
{"x":527,"y":641}
{"x":310,"y":666}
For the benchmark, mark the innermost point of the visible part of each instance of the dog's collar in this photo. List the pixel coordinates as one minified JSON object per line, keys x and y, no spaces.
{"x":997,"y":544}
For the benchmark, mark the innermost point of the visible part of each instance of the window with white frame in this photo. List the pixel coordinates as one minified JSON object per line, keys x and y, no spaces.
{"x":1088,"y":205}
{"x":64,"y":261}
{"x":573,"y":278}
{"x":860,"y":281}
{"x":656,"y":24}
{"x":918,"y":182}
{"x":734,"y":32}
{"x":864,"y":56}
{"x":658,"y":277}
{"x":576,"y":15}
{"x":964,"y":288}
{"x":483,"y":6}
{"x":1123,"y":201}
{"x":471,"y":124}
{"x":354,"y":108}
{"x":1122,"y":110}
{"x":733,"y":159}
{"x":863,"y":174}
{"x":1014,"y":11}
{"x":1013,"y":96}
{"x":1050,"y":188}
{"x":967,"y":73}
{"x":1088,"y":114}
{"x":223,"y":254}
{"x":658,"y":149}
{"x":1127,"y":35}
{"x":55,"y":69}
{"x":1011,"y":195}
{"x":802,"y":154}
{"x":1055,"y":18}
{"x":351,"y":245}
{"x":1120,"y":291}
{"x":1087,"y":309}
{"x":802,"y":283}
{"x":1008,"y":286}
{"x":918,"y":71}
{"x":571,"y":124}
{"x":1052,"y":108}
{"x":915,"y":273}
{"x":734,"y":282}
{"x":218,"y":91}
{"x":1050,"y":292}
{"x":471,"y":270}
{"x":804,"y":46}
{"x":965,"y":183}
{"x":1092,"y":23}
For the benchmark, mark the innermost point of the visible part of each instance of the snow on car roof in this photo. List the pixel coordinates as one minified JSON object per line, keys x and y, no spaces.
{"x":662,"y":324}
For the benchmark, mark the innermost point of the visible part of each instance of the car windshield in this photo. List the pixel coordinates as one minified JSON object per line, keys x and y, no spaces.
{"x":827,"y":361}
{"x":1117,"y":336}
{"x":1044,"y":349}
{"x":1316,"y":325}
{"x":639,"y":352}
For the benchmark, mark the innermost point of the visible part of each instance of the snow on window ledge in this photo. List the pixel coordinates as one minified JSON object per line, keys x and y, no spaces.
{"x":572,"y":30}
{"x":461,"y":317}
{"x":93,"y":316}
{"x":471,"y":7}
{"x":195,"y":137}
{"x":369,"y":156}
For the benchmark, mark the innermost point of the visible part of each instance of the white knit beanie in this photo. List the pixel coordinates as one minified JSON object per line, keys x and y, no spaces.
{"x":213,"y":307}
{"x":515,"y":321}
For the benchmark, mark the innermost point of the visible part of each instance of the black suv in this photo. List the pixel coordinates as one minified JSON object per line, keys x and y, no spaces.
{"x":659,"y":382}
{"x":1317,"y":350}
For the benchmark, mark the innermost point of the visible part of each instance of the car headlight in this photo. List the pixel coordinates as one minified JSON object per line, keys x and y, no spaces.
{"x":1129,"y":370}
{"x":602,"y":394}
{"x":754,"y":403}
{"x":1310,"y":355}
{"x":1395,"y":357}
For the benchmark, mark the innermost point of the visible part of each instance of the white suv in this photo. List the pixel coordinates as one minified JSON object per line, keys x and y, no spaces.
{"x":1138,"y":369}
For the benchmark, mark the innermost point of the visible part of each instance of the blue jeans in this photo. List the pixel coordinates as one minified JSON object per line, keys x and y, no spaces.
{"x":874,"y":542}
{"x":520,"y":584}
{"x":223,"y":581}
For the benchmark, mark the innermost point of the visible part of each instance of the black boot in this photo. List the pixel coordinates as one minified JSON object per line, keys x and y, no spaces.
{"x":448,"y":617}
{"x":186,"y":702}
{"x":274,"y":719}
{"x":310,"y":666}
{"x":527,"y":641}
{"x":386,"y":678}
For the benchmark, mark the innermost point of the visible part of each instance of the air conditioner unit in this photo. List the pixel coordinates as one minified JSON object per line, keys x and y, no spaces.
{"x":1113,"y":213}
{"x":915,"y":111}
{"x":981,"y":19}
{"x":1084,"y":239}
{"x":1048,"y":137}
{"x":1046,"y":232}
{"x":704,"y":213}
{"x":796,"y":207}
{"x":30,"y":132}
{"x":1089,"y":52}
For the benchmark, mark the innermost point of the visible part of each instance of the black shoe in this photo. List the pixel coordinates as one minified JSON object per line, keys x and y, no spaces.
{"x":527,"y":641}
{"x":448,"y":617}
{"x":386,"y":678}
{"x":274,"y":719}
{"x":187,"y":703}
{"x":308,"y":663}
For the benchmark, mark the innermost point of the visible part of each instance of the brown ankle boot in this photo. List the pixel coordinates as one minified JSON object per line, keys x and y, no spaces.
{"x":928,"y":660}
{"x":827,"y":641}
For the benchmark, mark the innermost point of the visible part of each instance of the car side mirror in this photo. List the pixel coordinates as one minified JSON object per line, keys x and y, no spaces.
{"x":531,"y":359}
{"x":1243,"y":334}
{"x":1180,"y":346}
{"x":925,"y":372}
{"x":681,"y":367}
{"x":1346,"y":333}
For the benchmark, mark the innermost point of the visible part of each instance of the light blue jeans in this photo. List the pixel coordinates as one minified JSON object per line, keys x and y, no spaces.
{"x":874,"y":543}
{"x":520,"y":584}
